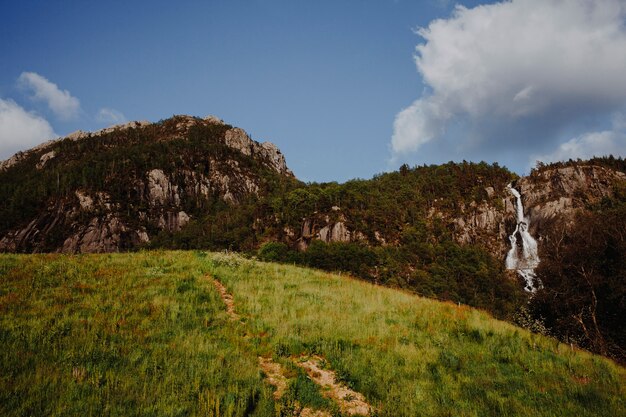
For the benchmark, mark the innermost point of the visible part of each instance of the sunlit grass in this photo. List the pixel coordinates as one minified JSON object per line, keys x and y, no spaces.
{"x":412,"y":356}
{"x":140,"y":334}
{"x":147,"y":334}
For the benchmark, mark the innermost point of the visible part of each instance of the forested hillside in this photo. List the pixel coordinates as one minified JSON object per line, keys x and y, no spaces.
{"x":440,"y":230}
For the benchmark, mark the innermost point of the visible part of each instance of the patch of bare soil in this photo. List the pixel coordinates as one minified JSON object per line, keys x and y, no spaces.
{"x":275,"y":375}
{"x":227,"y":298}
{"x":309,"y":412}
{"x":349,"y":401}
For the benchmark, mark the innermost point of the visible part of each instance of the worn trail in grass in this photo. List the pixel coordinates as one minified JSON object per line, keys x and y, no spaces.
{"x":127,"y":335}
{"x":411,"y":356}
{"x":348,"y":401}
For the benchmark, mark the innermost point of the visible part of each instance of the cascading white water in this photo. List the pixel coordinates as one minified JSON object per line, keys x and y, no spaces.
{"x":529,"y":260}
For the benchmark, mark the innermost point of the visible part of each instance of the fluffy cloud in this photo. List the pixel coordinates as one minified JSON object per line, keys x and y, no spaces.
{"x":587,"y":145}
{"x":61,"y":102}
{"x":107,"y":115}
{"x":517,"y":72}
{"x":20,"y":129}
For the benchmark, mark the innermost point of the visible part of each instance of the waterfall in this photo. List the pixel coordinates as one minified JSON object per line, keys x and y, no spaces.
{"x":526,"y":263}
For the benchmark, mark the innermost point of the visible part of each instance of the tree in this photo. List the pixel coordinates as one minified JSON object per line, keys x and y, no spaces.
{"x":583,"y":269}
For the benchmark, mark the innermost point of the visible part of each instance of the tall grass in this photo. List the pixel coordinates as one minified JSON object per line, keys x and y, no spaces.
{"x":147,"y":334}
{"x":133,"y":334}
{"x":412,"y":356}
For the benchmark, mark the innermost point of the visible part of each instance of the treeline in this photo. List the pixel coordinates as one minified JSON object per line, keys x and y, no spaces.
{"x":390,"y":202}
{"x":583,"y":267}
{"x":445,"y":271}
{"x":610,"y":161}
{"x":420,"y":256}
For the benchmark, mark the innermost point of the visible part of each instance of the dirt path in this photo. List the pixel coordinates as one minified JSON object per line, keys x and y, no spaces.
{"x":275,"y":375}
{"x":227,"y":298}
{"x":308,"y":412}
{"x":349,"y":401}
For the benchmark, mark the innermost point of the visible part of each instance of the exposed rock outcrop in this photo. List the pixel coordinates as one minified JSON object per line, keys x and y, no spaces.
{"x":335,"y":233}
{"x":483,"y":223}
{"x":238,"y":139}
{"x":160,"y":190}
{"x":564,"y":190}
{"x":273,"y":155}
{"x":173,"y":221}
{"x":213,"y":119}
{"x":45,"y":158}
{"x":160,"y":198}
{"x":85,"y":201}
{"x":22,"y":156}
{"x":103,"y":234}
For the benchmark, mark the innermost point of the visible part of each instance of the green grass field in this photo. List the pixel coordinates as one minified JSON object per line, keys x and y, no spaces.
{"x":148,"y":334}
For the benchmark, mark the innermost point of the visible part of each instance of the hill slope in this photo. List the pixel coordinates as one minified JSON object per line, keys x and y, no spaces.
{"x":118,"y":188}
{"x":439,"y":231}
{"x":149,"y":334}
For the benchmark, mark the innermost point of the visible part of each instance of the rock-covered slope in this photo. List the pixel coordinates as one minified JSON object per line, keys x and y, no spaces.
{"x":117,"y":188}
{"x":120,"y":187}
{"x":484,"y":217}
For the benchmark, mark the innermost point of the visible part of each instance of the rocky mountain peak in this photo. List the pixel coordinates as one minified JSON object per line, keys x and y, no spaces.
{"x":238,"y":139}
{"x":119,"y":187}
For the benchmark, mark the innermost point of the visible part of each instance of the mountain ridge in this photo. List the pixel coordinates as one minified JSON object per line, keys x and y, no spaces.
{"x":441,"y":231}
{"x":222,"y":175}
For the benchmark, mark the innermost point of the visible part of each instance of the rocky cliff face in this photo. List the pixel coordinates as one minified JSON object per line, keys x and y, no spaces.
{"x":562,"y":191}
{"x":546,"y":193}
{"x":120,"y":187}
{"x":238,"y":139}
{"x":142,"y":197}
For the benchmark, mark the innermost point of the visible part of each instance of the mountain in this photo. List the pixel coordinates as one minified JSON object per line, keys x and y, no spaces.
{"x":118,"y":188}
{"x":114,"y":189}
{"x":443,"y":231}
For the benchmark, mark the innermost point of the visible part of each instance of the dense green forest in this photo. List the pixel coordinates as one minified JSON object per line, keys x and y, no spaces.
{"x":584,"y":272}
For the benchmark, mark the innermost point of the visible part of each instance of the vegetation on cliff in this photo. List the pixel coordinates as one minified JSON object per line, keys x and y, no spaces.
{"x":438,"y":231}
{"x":584,"y":272}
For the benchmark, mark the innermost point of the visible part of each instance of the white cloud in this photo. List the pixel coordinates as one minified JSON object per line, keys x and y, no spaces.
{"x":537,"y":66}
{"x":619,"y":121}
{"x":61,"y":102}
{"x":20,"y":129}
{"x":588,"y":145}
{"x":108,"y":115}
{"x":421,"y":122}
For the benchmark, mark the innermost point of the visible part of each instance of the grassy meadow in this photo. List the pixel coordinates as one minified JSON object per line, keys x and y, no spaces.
{"x":147,"y":334}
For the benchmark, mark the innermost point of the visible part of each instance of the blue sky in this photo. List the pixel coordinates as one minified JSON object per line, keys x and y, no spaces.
{"x":335,"y":84}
